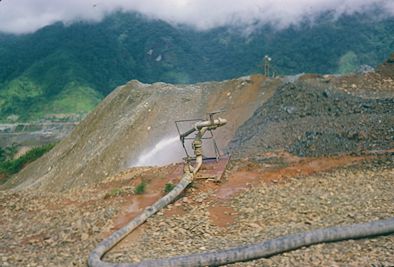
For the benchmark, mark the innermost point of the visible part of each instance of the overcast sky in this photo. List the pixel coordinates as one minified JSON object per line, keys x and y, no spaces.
{"x":24,"y":16}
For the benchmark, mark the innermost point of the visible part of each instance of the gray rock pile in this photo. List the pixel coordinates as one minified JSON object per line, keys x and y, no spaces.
{"x":311,"y":119}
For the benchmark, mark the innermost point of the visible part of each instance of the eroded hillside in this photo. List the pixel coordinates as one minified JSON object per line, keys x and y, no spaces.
{"x":311,"y":153}
{"x":132,"y":120}
{"x":314,"y":115}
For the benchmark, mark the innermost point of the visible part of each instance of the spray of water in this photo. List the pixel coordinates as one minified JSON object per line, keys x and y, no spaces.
{"x":166,"y":151}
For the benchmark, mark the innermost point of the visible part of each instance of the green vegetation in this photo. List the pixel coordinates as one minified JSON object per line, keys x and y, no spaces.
{"x":8,"y":153}
{"x":140,"y":188}
{"x":2,"y":155}
{"x":168,"y":187}
{"x":69,"y":69}
{"x":11,"y":166}
{"x":74,"y":99}
{"x":348,"y":63}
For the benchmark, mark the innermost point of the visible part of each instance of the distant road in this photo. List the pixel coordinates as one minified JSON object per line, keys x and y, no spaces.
{"x":32,"y":134}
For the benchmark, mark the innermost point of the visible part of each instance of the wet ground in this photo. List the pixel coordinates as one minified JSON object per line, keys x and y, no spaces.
{"x":210,"y":213}
{"x":247,"y":205}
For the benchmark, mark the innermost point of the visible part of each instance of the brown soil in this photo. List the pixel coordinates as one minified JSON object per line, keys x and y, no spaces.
{"x":155,"y":182}
{"x":245,"y":176}
{"x":369,"y":85}
{"x":73,"y":223}
{"x":286,"y":166}
{"x":387,"y":68}
{"x":221,"y":215}
{"x":213,"y":204}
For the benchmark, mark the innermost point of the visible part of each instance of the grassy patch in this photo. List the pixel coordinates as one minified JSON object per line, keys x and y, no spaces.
{"x":8,"y":153}
{"x":11,"y":167}
{"x":30,"y":100}
{"x":74,"y":99}
{"x":168,"y":187}
{"x":140,"y":188}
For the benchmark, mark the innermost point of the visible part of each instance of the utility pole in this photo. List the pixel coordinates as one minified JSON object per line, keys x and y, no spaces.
{"x":266,"y":65}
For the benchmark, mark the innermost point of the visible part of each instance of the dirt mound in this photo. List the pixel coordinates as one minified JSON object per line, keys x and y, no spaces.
{"x":134,"y":126}
{"x":375,"y":84}
{"x":314,"y":119}
{"x":387,"y":68}
{"x":368,"y":85}
{"x":134,"y":119}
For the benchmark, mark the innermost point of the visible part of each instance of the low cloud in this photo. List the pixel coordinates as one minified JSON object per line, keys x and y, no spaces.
{"x":24,"y":16}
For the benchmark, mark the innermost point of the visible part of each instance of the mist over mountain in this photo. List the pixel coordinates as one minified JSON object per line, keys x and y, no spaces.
{"x":26,"y":16}
{"x":70,"y":68}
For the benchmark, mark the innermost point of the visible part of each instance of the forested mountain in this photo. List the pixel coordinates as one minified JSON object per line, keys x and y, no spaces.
{"x":70,"y":68}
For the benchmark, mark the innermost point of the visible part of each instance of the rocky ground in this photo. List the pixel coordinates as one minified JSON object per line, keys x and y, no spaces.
{"x":314,"y":118}
{"x":319,"y":115}
{"x":277,"y":194}
{"x":315,"y":153}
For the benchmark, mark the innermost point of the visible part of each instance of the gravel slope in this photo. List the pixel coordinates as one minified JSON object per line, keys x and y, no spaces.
{"x":44,"y":229}
{"x":344,"y":196}
{"x":312,"y":118}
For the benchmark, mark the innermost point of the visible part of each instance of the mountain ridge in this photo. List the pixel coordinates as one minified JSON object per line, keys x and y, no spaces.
{"x":101,"y":56}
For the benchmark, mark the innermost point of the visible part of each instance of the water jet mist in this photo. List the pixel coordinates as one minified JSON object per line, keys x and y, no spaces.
{"x":167,"y":150}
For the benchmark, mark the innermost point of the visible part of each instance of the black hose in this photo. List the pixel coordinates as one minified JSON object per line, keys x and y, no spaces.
{"x":108,"y":243}
{"x":269,"y":247}
{"x":236,"y":254}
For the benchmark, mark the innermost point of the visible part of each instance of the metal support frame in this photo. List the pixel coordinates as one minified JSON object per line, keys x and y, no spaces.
{"x":210,"y":137}
{"x":200,"y":125}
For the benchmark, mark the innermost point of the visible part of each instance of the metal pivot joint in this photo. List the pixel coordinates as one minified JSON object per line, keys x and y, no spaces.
{"x":200,"y":128}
